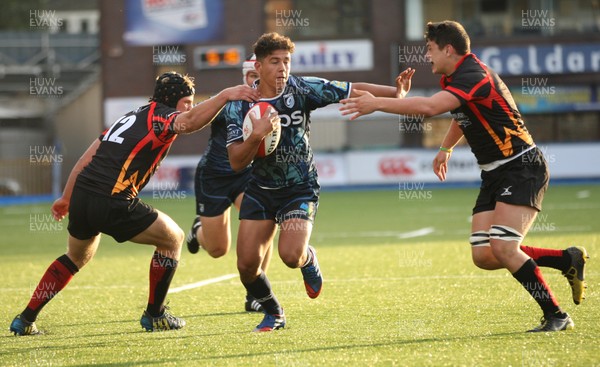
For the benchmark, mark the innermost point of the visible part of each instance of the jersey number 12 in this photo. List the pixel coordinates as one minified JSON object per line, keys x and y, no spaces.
{"x":125,"y":122}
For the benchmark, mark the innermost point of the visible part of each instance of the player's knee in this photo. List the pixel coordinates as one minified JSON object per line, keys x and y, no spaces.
{"x":504,"y":241}
{"x":179,"y":236}
{"x":243,"y":268}
{"x":170,"y":244}
{"x":248,"y":273}
{"x":216,"y":247}
{"x":291,"y":258}
{"x":81,"y":253}
{"x":485,"y":262}
{"x":290,"y":262}
{"x":501,"y":251}
{"x":217,"y":252}
{"x":480,"y":250}
{"x":247,"y":266}
{"x":175,"y":239}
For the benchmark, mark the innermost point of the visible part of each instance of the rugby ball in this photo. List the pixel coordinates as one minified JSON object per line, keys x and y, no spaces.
{"x":269,"y":142}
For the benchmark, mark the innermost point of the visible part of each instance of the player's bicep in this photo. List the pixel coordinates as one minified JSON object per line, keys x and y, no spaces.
{"x":443,"y":102}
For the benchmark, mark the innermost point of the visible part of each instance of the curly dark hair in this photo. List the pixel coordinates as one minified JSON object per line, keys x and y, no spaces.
{"x":269,"y":42}
{"x":449,"y":32}
{"x":171,"y":86}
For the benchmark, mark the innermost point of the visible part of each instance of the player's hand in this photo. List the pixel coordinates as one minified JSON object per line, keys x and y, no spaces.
{"x":362,"y":105}
{"x":403,"y":82}
{"x":265,"y":124}
{"x":242,"y":92}
{"x":60,"y":208}
{"x":440,"y":164}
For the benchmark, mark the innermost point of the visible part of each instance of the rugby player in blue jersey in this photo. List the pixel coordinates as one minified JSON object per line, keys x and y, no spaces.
{"x":217,"y":186}
{"x":283,"y":188}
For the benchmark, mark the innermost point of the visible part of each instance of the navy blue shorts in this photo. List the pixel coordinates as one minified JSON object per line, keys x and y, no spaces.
{"x":215,"y":193}
{"x":296,"y":202}
{"x":522,"y":181}
{"x":90,"y":214}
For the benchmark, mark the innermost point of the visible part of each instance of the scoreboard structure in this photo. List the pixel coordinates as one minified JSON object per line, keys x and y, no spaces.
{"x":219,"y":57}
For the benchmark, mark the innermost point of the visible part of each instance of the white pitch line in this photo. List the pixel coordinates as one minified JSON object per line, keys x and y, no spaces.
{"x":202,"y":283}
{"x":584,"y":194}
{"x":417,"y":233}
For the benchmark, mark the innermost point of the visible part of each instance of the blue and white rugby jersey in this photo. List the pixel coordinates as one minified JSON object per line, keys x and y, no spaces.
{"x":292,"y":162}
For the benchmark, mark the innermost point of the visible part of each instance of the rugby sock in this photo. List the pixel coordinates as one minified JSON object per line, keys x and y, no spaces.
{"x":556,"y":259}
{"x":530,"y":277}
{"x":162,"y":269}
{"x":260,"y":289}
{"x":56,"y":277}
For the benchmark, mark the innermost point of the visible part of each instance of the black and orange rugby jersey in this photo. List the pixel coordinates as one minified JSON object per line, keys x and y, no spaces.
{"x":129,"y":152}
{"x":488,"y":115}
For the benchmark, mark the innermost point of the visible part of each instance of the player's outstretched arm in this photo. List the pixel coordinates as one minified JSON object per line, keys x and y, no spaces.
{"x":366,"y":103}
{"x":60,"y":207}
{"x":241,"y":154}
{"x":440,"y":162}
{"x":203,"y":113}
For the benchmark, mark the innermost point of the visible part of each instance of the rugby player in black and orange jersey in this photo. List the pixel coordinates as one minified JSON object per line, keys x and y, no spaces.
{"x":513,"y":170}
{"x":101,"y":192}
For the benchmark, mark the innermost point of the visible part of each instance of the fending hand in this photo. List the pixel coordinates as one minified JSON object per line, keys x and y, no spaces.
{"x":364,"y":104}
{"x":403,"y":82}
{"x":242,"y":92}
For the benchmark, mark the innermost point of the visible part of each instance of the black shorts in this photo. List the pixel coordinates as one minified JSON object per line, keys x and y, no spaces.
{"x":522,"y":181}
{"x":90,"y":214}
{"x":282,"y":204}
{"x":215,"y":193}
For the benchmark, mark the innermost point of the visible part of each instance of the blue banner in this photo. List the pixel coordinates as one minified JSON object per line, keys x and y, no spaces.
{"x":536,"y":95}
{"x":542,"y":59}
{"x":168,"y":22}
